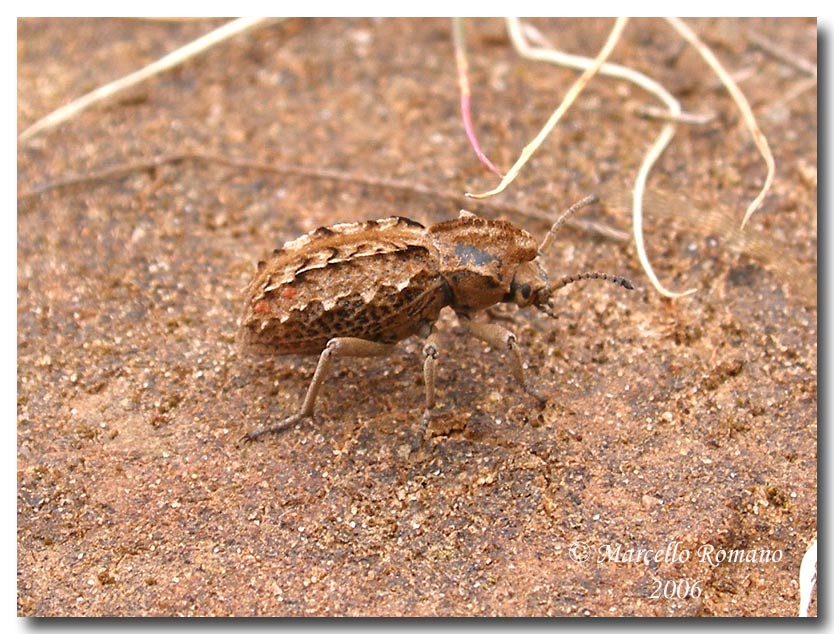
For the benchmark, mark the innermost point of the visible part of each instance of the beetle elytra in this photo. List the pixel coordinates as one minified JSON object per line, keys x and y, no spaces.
{"x":356,"y":289}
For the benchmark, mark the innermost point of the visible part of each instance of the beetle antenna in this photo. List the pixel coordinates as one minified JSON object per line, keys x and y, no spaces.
{"x":593,"y":275}
{"x":548,"y":309}
{"x":548,"y":239}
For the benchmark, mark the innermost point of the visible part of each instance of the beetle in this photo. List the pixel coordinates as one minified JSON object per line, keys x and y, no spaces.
{"x":356,"y":289}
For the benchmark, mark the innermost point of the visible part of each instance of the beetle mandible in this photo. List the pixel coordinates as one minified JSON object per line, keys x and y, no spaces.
{"x":356,"y":289}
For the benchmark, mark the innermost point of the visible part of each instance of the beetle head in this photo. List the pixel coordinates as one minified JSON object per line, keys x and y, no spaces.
{"x":530,"y":285}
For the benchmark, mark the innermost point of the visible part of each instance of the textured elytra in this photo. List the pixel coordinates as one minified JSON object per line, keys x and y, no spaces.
{"x":373,"y":280}
{"x":381,"y":280}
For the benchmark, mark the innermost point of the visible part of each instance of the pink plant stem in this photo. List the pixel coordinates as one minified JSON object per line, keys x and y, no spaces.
{"x":466,"y":98}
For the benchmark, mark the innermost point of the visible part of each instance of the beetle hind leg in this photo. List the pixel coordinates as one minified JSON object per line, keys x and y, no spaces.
{"x":335,"y":348}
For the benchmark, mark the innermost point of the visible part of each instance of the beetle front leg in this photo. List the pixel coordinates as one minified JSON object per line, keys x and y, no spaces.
{"x":335,"y":348}
{"x":500,"y":338}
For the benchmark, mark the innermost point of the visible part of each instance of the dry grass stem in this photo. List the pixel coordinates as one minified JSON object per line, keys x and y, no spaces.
{"x":741,"y":101}
{"x":548,"y":54}
{"x":466,"y":95}
{"x":651,"y":156}
{"x":570,"y":97}
{"x":175,"y":58}
{"x":689,"y":118}
{"x":793,"y":92}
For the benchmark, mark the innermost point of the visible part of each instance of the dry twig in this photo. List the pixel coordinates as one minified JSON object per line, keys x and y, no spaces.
{"x":781,"y":54}
{"x":741,"y":101}
{"x":690,"y":118}
{"x":175,"y":58}
{"x":120,"y":171}
{"x":553,"y":56}
{"x":570,"y":97}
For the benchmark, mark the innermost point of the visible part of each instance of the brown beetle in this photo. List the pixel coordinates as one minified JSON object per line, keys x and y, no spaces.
{"x":356,"y":289}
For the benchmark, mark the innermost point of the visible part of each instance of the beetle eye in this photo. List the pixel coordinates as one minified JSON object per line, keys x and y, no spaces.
{"x":525,"y":291}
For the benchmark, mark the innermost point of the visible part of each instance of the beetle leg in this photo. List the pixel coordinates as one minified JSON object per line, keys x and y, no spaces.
{"x":499,"y":337}
{"x":335,"y":348}
{"x":431,"y":350}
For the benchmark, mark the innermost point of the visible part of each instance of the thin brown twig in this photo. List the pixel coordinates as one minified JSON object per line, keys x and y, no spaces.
{"x":123,"y":170}
{"x":793,"y":92}
{"x":781,"y":54}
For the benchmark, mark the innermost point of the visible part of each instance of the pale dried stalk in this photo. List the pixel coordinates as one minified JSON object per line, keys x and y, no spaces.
{"x":684,"y":117}
{"x":651,"y":156}
{"x":570,"y":97}
{"x":548,"y":53}
{"x":174,"y":58}
{"x":553,"y":56}
{"x":741,"y":101}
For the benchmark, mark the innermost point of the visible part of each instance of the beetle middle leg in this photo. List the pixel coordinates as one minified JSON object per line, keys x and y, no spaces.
{"x":431,"y":350}
{"x":500,"y":338}
{"x":335,"y":348}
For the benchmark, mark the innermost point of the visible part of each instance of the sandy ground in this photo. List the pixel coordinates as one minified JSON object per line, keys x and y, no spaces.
{"x":686,"y":428}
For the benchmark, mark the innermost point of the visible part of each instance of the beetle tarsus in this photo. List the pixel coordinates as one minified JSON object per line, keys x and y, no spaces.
{"x":535,"y":393}
{"x":420,"y":436}
{"x":285,"y":424}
